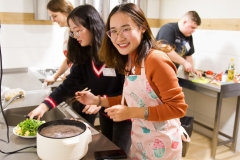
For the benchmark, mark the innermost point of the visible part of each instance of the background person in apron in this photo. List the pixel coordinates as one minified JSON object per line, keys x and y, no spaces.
{"x":58,"y":11}
{"x":151,"y":97}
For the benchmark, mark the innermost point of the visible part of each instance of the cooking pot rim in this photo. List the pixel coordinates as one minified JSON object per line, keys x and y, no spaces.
{"x":62,"y":122}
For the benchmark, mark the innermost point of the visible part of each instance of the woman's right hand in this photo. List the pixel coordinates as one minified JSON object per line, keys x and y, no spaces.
{"x":187,"y":67}
{"x":87,"y":98}
{"x":39,"y":111}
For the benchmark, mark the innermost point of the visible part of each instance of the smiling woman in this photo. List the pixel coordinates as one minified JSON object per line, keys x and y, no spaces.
{"x":58,"y":11}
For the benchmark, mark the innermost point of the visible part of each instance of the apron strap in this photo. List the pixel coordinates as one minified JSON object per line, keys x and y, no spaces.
{"x":184,"y":135}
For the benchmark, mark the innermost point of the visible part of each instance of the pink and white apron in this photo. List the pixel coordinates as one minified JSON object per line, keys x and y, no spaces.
{"x":150,"y":140}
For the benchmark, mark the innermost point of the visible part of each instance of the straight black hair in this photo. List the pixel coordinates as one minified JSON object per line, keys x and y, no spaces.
{"x":88,"y":17}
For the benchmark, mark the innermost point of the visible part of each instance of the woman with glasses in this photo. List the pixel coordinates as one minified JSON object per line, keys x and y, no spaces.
{"x":58,"y":11}
{"x":151,"y":97}
{"x":86,"y":31}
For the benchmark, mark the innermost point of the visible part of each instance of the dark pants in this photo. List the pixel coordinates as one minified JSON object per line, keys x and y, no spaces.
{"x":118,"y":132}
{"x":78,"y":107}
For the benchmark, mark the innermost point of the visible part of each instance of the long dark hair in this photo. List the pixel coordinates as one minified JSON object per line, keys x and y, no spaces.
{"x":88,"y":17}
{"x":110,"y":55}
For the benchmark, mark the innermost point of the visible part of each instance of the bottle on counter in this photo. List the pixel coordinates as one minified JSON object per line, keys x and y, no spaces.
{"x":231,"y":69}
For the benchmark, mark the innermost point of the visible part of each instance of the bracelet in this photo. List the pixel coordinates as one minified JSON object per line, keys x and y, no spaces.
{"x":146,"y":113}
{"x":99,"y":101}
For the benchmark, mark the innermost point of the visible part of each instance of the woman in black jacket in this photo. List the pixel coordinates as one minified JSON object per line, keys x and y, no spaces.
{"x":86,"y":34}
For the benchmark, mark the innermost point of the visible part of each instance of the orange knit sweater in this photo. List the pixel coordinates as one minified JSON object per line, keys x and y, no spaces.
{"x":161,"y":75}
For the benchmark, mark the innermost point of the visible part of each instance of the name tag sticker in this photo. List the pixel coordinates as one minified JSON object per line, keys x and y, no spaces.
{"x":110,"y":72}
{"x":187,"y":46}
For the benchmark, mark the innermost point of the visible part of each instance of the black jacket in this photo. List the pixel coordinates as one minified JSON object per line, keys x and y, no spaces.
{"x":82,"y":76}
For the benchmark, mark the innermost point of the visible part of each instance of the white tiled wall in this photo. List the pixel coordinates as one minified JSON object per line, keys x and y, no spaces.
{"x":215,"y":48}
{"x":32,"y":45}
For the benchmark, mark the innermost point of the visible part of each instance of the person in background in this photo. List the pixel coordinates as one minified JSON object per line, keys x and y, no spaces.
{"x":151,"y":96}
{"x":86,"y":31}
{"x":58,"y":11}
{"x":180,"y":35}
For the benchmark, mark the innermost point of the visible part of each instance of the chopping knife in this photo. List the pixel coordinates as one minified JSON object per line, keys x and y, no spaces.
{"x":24,"y":116}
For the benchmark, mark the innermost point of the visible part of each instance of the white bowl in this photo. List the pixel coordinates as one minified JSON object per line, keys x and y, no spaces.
{"x":209,"y":75}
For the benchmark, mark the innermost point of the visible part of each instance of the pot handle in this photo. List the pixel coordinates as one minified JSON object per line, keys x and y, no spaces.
{"x":71,"y":142}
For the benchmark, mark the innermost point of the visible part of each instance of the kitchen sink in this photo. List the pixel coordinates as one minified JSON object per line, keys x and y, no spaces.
{"x":16,"y":115}
{"x":47,"y":72}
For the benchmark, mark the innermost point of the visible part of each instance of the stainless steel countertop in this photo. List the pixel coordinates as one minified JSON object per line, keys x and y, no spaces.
{"x":226,"y":89}
{"x":28,"y":80}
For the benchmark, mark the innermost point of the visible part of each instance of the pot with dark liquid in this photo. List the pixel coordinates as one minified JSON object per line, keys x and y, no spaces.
{"x":63,"y":140}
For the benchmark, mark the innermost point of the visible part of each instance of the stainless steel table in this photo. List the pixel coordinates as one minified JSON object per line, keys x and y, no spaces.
{"x":226,"y":90}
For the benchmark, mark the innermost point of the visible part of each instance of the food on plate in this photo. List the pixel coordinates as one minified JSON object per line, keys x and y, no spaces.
{"x":236,"y":79}
{"x":28,"y":127}
{"x":209,"y":72}
{"x":218,"y":77}
{"x":61,"y":131}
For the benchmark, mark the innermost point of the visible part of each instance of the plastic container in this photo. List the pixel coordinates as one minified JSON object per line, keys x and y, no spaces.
{"x":231,"y":70}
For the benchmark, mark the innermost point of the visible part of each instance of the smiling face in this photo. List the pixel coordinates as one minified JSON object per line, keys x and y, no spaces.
{"x":59,"y":17}
{"x":129,"y":35}
{"x":81,"y":34}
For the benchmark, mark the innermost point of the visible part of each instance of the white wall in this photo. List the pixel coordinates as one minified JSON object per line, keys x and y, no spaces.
{"x":30,"y":45}
{"x":33,"y":45}
{"x":213,"y":50}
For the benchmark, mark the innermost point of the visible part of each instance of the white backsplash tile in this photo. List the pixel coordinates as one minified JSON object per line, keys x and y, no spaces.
{"x":32,"y":45}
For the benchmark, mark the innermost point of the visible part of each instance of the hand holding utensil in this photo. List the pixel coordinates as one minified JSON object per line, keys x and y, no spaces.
{"x":86,"y":97}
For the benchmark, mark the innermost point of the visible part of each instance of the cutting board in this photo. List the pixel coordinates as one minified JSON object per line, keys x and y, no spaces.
{"x":201,"y":80}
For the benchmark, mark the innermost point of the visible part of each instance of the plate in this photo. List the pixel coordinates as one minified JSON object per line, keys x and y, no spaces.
{"x":22,"y":136}
{"x":209,"y":75}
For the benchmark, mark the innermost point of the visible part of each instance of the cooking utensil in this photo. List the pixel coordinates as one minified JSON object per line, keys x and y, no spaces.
{"x":25,"y":116}
{"x":213,"y":78}
{"x":73,"y":99}
{"x":74,"y":147}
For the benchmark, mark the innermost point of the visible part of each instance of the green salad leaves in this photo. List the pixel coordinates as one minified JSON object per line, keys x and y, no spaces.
{"x":28,"y":127}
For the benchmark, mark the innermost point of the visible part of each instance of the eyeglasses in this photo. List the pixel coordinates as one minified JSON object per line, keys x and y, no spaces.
{"x":124,"y":32}
{"x":75,"y":34}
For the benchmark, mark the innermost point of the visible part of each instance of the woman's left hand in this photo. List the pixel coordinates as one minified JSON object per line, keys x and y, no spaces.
{"x":118,"y":113}
{"x":91,"y":109}
{"x":198,"y":73}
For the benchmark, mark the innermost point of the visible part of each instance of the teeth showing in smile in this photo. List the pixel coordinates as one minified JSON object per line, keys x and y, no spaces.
{"x":122,"y":45}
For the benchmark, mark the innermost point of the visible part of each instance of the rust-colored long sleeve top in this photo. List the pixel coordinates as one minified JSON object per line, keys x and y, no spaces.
{"x":161,"y":75}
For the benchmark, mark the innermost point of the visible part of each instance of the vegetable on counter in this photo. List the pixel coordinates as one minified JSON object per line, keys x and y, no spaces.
{"x":28,"y":127}
{"x":209,"y":72}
